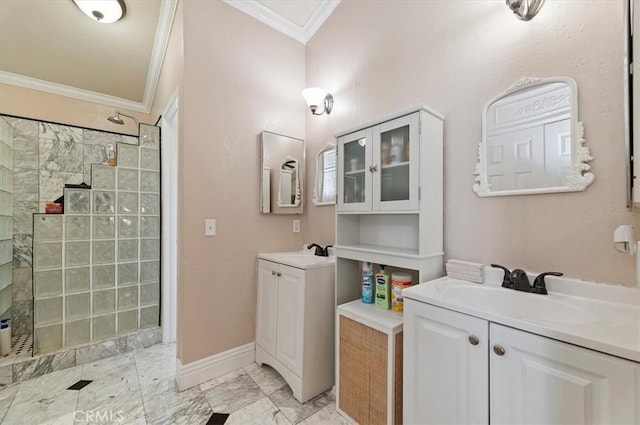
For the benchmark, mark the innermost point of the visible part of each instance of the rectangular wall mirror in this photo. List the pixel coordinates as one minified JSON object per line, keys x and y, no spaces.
{"x":282,"y":174}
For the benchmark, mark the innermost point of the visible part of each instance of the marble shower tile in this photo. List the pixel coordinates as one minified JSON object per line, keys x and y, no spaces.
{"x":101,"y":350}
{"x":22,"y":317}
{"x":267,"y":378}
{"x":45,"y":400}
{"x":52,"y":183}
{"x":233,"y":394}
{"x":144,"y":338}
{"x":61,"y":155}
{"x":292,"y":409}
{"x":25,"y":145}
{"x":149,"y":136}
{"x":59,"y":132}
{"x":22,"y":284}
{"x":187,"y":407}
{"x":44,"y":365}
{"x":22,"y":250}
{"x":25,"y":185}
{"x":6,"y":372}
{"x":261,"y":412}
{"x":94,"y":154}
{"x":96,"y":137}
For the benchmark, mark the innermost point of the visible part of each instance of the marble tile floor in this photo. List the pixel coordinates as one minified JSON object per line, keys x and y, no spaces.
{"x":138,"y":388}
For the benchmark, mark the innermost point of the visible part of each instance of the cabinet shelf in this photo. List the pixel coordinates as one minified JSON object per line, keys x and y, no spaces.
{"x":404,"y":164}
{"x":429,"y":265}
{"x":354,"y":172}
{"x":370,"y":315}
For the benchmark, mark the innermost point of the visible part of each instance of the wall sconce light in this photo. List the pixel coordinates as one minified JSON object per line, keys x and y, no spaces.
{"x":103,"y":11}
{"x":316,"y":97}
{"x":525,"y":9}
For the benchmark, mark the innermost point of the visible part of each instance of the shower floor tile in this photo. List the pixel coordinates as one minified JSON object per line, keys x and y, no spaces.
{"x":139,"y":389}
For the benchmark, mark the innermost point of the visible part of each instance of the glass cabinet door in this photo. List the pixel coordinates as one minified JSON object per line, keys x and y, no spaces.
{"x":395,"y":184}
{"x":354,"y":177}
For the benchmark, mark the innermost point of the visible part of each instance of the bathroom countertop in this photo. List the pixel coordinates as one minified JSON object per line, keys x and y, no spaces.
{"x":601,"y":317}
{"x":299,"y":259}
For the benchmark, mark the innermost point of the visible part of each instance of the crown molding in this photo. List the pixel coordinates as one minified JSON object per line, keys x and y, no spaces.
{"x":267,"y":16}
{"x":161,"y":40}
{"x":68,"y":91}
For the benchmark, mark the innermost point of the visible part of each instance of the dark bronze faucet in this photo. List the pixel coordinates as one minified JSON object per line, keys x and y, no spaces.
{"x":320,"y":251}
{"x":518,"y":280}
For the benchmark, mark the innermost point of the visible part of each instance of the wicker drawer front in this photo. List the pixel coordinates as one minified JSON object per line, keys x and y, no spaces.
{"x":363,"y":372}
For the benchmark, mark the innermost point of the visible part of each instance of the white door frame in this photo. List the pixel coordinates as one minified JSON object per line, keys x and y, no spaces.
{"x":169,"y":157}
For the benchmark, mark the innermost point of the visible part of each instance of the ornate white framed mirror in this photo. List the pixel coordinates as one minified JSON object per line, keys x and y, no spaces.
{"x":324,"y":190}
{"x":532,"y":141}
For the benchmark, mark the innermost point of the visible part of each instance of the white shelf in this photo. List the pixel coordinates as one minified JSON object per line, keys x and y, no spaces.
{"x":387,"y":321}
{"x":396,"y":165}
{"x":351,"y":173}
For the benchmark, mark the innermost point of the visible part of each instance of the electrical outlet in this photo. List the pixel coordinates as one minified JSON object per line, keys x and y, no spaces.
{"x":210,"y":227}
{"x":296,"y":226}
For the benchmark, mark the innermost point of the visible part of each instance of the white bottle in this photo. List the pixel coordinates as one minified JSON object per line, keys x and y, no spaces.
{"x":5,"y":339}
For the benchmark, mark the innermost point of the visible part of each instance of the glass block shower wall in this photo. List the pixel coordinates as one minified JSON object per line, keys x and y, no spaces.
{"x":97,"y":266}
{"x":6,"y":217}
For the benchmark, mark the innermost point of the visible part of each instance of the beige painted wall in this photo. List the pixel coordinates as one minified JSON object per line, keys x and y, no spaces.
{"x":379,"y":57}
{"x":29,"y":103}
{"x":240,"y":77}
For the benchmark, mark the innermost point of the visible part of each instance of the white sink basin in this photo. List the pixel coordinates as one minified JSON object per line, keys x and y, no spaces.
{"x":517,"y":304}
{"x":597,"y":316}
{"x":301,"y":260}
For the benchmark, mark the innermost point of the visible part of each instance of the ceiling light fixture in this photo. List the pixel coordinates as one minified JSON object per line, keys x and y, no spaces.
{"x":103,"y":11}
{"x":117,"y":120}
{"x":315,"y":97}
{"x":525,"y":9}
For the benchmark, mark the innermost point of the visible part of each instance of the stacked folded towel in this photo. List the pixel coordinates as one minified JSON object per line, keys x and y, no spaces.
{"x":465,"y":270}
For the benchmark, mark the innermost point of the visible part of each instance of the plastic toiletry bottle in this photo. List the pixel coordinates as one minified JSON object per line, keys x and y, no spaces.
{"x":399,"y":281}
{"x":5,"y":338}
{"x":112,"y":156}
{"x":367,"y":283}
{"x":383,"y":289}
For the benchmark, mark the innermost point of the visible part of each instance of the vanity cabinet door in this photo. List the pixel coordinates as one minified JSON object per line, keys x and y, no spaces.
{"x":537,"y":380}
{"x":445,"y":366}
{"x":290,"y":318}
{"x":267,"y":306}
{"x":354,"y":176}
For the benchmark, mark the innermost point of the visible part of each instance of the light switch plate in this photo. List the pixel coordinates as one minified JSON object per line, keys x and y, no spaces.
{"x":296,"y":226}
{"x":210,"y":227}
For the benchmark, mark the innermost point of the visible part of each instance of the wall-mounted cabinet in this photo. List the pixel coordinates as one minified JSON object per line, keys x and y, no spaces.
{"x":390,"y":196}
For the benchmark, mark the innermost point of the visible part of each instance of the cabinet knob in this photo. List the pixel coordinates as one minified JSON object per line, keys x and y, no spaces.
{"x":273,"y":272}
{"x":279,"y":274}
{"x":499,"y":350}
{"x":473,"y":340}
{"x":373,"y":168}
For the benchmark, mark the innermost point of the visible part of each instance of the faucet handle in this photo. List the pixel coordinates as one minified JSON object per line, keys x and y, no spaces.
{"x":506,"y":280}
{"x":539,"y":285}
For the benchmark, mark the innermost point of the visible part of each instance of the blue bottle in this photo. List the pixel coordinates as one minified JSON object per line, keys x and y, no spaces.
{"x":368,"y":287}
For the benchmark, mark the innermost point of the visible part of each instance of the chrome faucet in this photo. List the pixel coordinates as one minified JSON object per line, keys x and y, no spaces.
{"x":518,"y":280}
{"x":320,"y":251}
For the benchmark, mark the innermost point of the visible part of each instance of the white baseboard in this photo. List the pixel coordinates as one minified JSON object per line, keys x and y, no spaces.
{"x":202,"y":370}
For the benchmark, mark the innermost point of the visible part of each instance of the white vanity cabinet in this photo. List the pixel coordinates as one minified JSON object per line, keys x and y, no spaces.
{"x":295,"y":324}
{"x":462,"y":369}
